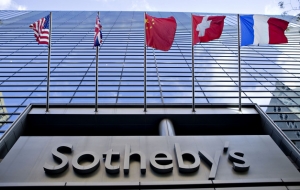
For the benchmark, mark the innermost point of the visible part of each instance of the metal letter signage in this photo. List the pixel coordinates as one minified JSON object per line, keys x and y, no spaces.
{"x":191,"y":156}
{"x":213,"y":163}
{"x":137,"y":155}
{"x":161,"y":162}
{"x":87,"y":155}
{"x":147,"y":162}
{"x":240,"y":164}
{"x":109,"y":156}
{"x":60,"y":158}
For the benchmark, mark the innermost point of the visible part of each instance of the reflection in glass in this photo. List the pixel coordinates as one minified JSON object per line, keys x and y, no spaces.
{"x":270,"y":74}
{"x":3,"y":110}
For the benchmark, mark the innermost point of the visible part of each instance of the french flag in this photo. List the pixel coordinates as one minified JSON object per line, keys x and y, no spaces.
{"x":260,"y":29}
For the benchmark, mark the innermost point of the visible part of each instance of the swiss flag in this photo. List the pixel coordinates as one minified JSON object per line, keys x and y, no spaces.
{"x":207,"y":28}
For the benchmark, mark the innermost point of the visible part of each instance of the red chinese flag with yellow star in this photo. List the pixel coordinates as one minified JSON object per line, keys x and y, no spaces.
{"x":207,"y":28}
{"x":160,"y":32}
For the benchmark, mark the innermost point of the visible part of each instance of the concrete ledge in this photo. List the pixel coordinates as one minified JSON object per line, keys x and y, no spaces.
{"x":176,"y":184}
{"x":248,"y":182}
{"x":108,"y":111}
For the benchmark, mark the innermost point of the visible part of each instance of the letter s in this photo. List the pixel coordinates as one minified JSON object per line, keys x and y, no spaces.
{"x":240,"y":164}
{"x":60,"y":158}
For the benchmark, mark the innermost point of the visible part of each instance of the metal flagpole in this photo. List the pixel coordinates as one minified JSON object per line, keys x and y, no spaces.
{"x":145,"y":68}
{"x":193,"y":73}
{"x":239,"y":59}
{"x":96,"y":90}
{"x":49,"y":56}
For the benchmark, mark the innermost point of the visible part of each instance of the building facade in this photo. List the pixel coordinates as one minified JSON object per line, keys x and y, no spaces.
{"x":270,"y":74}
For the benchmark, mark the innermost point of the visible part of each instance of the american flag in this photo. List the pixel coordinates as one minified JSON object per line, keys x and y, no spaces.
{"x":41,"y":30}
{"x":98,"y":32}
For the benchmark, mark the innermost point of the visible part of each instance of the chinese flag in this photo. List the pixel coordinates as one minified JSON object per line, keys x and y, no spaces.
{"x":160,"y":32}
{"x":207,"y":28}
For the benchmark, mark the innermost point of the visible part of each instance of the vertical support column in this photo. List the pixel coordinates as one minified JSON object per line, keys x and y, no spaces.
{"x":193,"y":69}
{"x":96,"y":90}
{"x":96,"y":87}
{"x":49,"y":58}
{"x":239,"y":60}
{"x":166,"y":128}
{"x":145,"y":68}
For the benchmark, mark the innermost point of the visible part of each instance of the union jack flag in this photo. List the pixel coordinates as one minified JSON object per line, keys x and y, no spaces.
{"x":41,"y":30}
{"x":98,"y":32}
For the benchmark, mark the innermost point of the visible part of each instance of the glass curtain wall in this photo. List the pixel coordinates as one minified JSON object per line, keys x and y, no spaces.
{"x":270,"y":74}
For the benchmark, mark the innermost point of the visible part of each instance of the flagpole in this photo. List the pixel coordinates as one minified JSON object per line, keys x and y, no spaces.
{"x":48,"y":70}
{"x":145,"y":68}
{"x":193,"y":73}
{"x":239,"y":59}
{"x":96,"y":87}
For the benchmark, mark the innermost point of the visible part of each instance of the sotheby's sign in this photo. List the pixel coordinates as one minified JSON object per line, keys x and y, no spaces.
{"x":152,"y":158}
